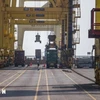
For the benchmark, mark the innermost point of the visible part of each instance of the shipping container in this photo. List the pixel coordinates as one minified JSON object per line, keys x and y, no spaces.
{"x":19,"y":58}
{"x":38,"y":53}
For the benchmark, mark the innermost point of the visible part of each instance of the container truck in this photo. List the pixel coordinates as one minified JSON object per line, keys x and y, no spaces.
{"x":51,"y":58}
{"x":51,"y":52}
{"x":19,"y":58}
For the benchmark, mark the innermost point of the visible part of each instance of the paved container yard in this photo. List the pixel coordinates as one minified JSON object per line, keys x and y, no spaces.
{"x":29,"y":83}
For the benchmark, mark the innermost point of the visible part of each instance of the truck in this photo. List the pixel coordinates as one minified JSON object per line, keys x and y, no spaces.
{"x":38,"y":54}
{"x":19,"y":58}
{"x":51,"y":58}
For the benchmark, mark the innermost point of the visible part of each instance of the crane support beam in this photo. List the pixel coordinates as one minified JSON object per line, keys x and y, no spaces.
{"x":70,"y":16}
{"x":20,"y":38}
{"x":76,"y":6}
{"x":6,"y":36}
{"x":94,"y":32}
{"x":11,"y":35}
{"x":97,"y":46}
{"x":34,"y":16}
{"x":1,"y":29}
{"x":29,"y":22}
{"x":35,"y":0}
{"x":37,"y":27}
{"x":53,"y":3}
{"x":97,"y":20}
{"x":31,"y":10}
{"x":7,"y":3}
{"x":13,"y":3}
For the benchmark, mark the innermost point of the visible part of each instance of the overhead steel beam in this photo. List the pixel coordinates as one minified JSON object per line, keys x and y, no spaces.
{"x":65,"y":3}
{"x":37,"y":27}
{"x":33,"y":16}
{"x":31,"y":10}
{"x":53,"y":3}
{"x":35,"y":0}
{"x":28,"y":22}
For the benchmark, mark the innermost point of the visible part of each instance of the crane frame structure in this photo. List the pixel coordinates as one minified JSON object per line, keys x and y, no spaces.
{"x":62,"y":14}
{"x":94,"y":32}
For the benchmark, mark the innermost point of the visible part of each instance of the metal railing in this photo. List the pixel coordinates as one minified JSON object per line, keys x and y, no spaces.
{"x":77,"y":9}
{"x":76,"y":37}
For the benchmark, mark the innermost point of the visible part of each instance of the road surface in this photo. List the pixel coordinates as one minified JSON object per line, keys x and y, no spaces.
{"x":29,"y":83}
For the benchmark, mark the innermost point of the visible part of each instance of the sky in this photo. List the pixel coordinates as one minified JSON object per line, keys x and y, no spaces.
{"x":84,"y":22}
{"x":85,"y":43}
{"x":29,"y":42}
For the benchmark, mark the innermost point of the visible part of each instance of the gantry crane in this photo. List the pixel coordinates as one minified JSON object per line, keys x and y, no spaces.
{"x":59,"y":12}
{"x":94,"y":32}
{"x":69,"y":30}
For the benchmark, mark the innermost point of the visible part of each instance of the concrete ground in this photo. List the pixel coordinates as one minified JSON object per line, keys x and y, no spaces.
{"x":29,"y":83}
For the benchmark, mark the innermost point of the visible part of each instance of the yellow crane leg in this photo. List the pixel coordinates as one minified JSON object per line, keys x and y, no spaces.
{"x":97,"y":50}
{"x":11,"y":38}
{"x":11,"y":34}
{"x":6,"y":34}
{"x":1,"y":29}
{"x":57,"y":29}
{"x":66,"y":29}
{"x":13,"y":3}
{"x":6,"y":39}
{"x":8,"y":2}
{"x":1,"y":35}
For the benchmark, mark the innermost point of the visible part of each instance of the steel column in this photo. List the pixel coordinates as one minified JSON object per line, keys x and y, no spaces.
{"x":70,"y":14}
{"x":97,"y":44}
{"x":11,"y":35}
{"x":13,"y":3}
{"x":63,"y":34}
{"x":97,"y":41}
{"x":1,"y":25}
{"x":20,"y":30}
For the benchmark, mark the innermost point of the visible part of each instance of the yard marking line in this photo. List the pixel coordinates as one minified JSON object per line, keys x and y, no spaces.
{"x":47,"y":85}
{"x":9,"y":78}
{"x":8,"y":74}
{"x":52,"y":73}
{"x":14,"y":80}
{"x":37,"y":89}
{"x":4,"y":70}
{"x":80,"y":87}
